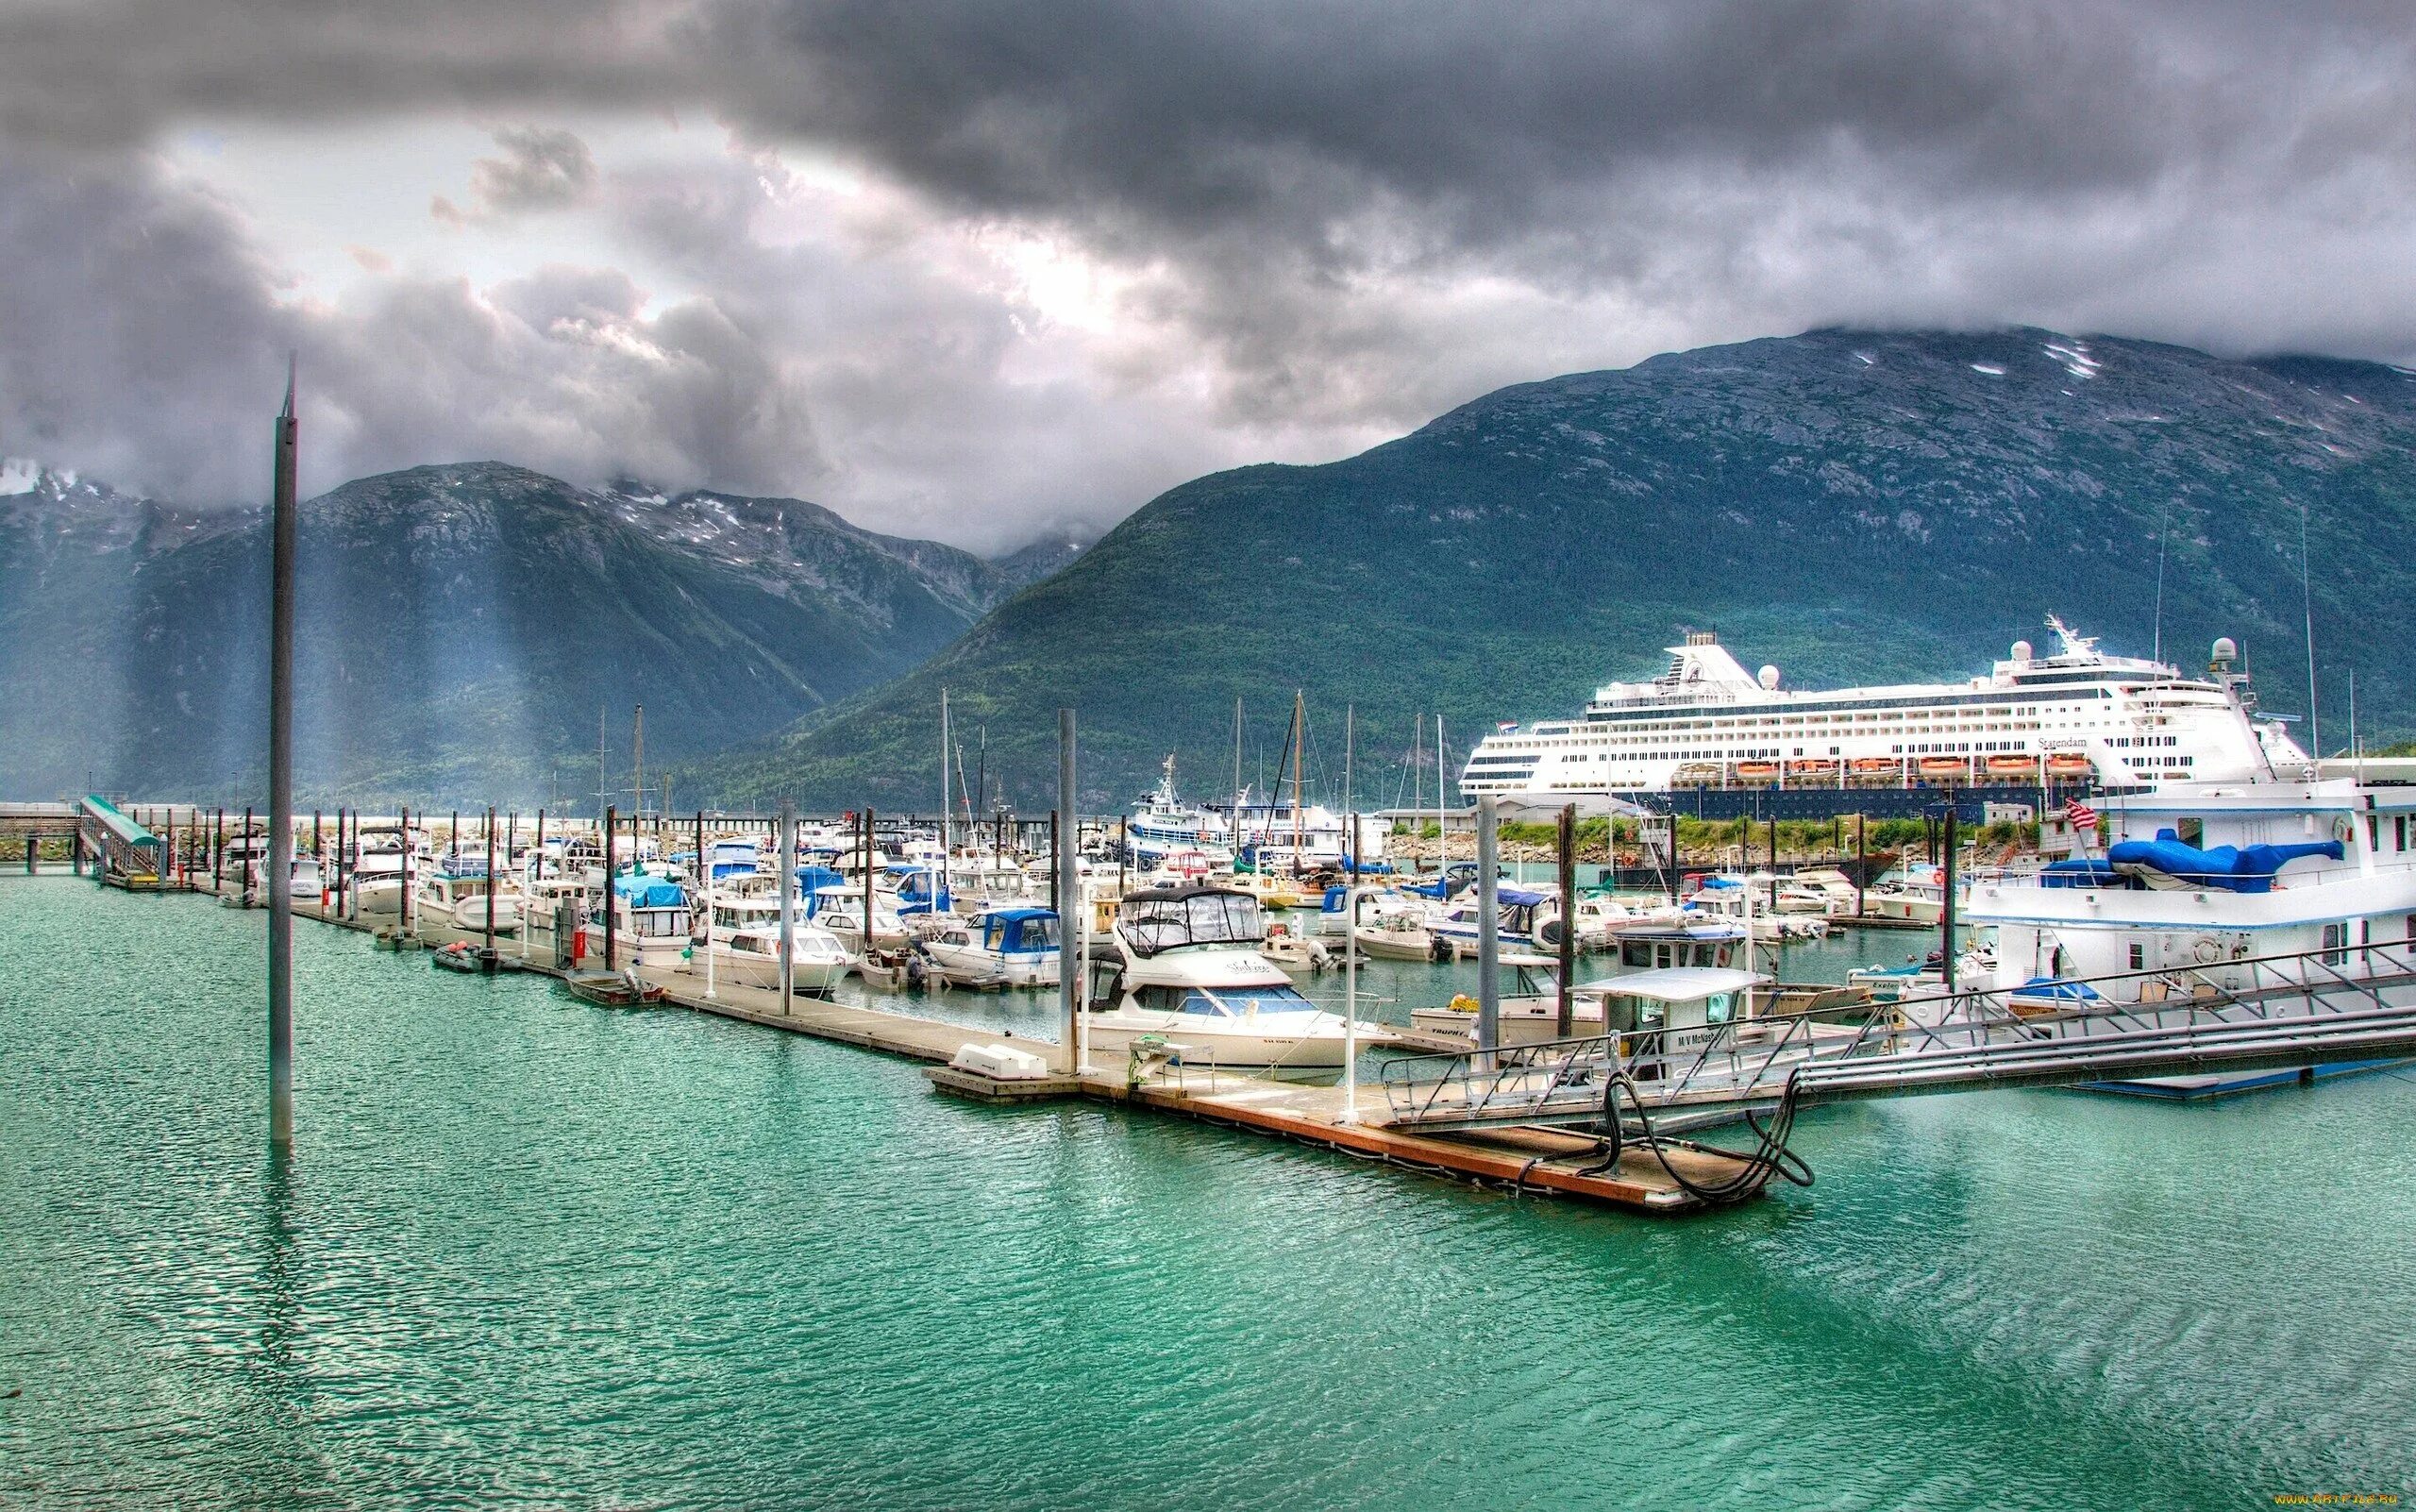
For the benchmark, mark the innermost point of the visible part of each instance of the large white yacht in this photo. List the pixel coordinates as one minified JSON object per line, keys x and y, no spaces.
{"x":2076,"y":716}
{"x":2210,"y":892}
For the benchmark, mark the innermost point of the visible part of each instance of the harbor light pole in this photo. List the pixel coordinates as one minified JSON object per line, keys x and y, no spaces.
{"x":280,"y":782}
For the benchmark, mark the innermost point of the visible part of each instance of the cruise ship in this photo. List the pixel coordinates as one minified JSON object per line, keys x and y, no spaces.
{"x":2077,"y":717}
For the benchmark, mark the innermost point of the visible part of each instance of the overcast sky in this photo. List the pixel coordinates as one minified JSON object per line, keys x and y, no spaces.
{"x":986,"y":271}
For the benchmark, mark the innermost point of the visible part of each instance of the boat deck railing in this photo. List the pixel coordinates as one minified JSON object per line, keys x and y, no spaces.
{"x":2348,"y":1002}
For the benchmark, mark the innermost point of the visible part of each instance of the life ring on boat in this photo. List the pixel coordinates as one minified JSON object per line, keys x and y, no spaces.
{"x":1462,"y":1003}
{"x":2206,"y":950}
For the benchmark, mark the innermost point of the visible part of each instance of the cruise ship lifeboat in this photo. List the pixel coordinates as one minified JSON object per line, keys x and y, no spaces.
{"x":1944,"y":766}
{"x":1814,"y":767}
{"x":1756,"y":771}
{"x":2012,"y":766}
{"x":2070,"y":764}
{"x":1876,"y":766}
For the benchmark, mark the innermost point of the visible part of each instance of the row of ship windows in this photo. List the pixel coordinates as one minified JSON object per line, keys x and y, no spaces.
{"x":1499,"y":743}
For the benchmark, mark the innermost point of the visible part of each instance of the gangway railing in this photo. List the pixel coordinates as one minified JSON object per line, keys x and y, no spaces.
{"x":2340,"y":1003}
{"x":128,"y":853}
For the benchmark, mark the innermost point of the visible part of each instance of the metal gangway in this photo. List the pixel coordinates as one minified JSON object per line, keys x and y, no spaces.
{"x":2342,"y":1004}
{"x":128,"y":856}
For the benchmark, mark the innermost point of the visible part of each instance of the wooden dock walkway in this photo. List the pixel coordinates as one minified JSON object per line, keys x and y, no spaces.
{"x":1541,"y":1161}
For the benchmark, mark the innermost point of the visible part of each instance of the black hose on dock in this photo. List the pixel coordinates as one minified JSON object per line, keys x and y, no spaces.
{"x":1771,"y":1156}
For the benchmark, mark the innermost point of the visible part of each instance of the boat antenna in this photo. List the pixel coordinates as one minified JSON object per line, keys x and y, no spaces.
{"x":2162,"y":536}
{"x":2357,"y":754}
{"x":2306,"y":601}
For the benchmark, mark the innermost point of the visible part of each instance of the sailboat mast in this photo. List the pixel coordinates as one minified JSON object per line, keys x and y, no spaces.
{"x":944,"y":792}
{"x":1299,"y":717}
{"x":637,"y":776}
{"x":1237,"y":776}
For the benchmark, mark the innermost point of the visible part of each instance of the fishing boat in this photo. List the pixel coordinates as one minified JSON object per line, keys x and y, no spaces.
{"x":1188,"y":981}
{"x":999,"y":946}
{"x":1298,"y":954}
{"x":1161,"y":824}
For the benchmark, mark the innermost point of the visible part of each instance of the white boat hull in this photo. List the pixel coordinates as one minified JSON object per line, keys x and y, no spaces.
{"x":1242,"y":1044}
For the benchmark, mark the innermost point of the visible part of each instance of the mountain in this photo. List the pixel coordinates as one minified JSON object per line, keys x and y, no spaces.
{"x":1851,"y":506}
{"x":460,"y":629}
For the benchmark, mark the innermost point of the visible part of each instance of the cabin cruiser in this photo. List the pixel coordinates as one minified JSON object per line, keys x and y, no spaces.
{"x":1913,"y":893}
{"x":453,"y":901}
{"x":743,"y":945}
{"x":650,"y":921}
{"x":1529,"y":919}
{"x":2213,"y":890}
{"x":1187,"y":979}
{"x":999,"y":947}
{"x":1529,"y":1008}
{"x":375,"y":873}
{"x":1745,"y":901}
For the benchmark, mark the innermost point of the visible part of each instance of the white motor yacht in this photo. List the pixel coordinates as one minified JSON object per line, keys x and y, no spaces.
{"x":1188,"y":980}
{"x":744,"y":941}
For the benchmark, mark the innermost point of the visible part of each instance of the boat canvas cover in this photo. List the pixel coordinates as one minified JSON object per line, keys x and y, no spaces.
{"x":648,"y":892}
{"x":812,"y":880}
{"x":1020,"y":931}
{"x":1171,"y":917}
{"x":2232,"y":869}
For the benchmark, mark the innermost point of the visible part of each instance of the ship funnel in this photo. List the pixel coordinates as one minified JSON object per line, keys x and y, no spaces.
{"x":1768,"y":678}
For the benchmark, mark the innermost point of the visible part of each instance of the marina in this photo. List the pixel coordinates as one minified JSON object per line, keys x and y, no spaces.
{"x":751,"y":1242}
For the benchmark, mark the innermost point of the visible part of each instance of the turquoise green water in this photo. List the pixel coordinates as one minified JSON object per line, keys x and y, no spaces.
{"x":532,"y":1252}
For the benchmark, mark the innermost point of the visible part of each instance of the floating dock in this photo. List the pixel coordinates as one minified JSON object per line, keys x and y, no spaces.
{"x":1540,"y":1161}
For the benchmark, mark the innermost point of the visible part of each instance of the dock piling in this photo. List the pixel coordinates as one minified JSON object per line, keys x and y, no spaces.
{"x":1564,"y":1013}
{"x":1063,"y":888}
{"x":1489,"y":926}
{"x":787,"y":875}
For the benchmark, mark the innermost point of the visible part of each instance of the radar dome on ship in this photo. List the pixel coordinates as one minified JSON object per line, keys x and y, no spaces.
{"x":2226,"y":649}
{"x":2022,"y":650}
{"x":1769,"y":677}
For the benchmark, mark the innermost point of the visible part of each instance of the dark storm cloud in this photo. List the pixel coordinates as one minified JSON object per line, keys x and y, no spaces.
{"x":1339,"y":213}
{"x":141,"y":339}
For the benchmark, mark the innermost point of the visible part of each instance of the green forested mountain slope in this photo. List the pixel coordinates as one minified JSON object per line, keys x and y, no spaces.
{"x":1851,"y":506}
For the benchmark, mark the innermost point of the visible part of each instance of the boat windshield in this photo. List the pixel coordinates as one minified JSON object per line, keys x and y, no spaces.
{"x":1155,"y":924}
{"x":1232,"y":1003}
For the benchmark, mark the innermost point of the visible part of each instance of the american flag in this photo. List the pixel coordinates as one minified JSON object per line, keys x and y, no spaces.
{"x":2080,"y":815}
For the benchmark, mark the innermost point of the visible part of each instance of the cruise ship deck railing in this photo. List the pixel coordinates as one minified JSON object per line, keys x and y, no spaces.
{"x":2277,"y":1009}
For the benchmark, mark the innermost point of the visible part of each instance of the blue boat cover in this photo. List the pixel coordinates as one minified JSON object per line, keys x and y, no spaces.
{"x":2232,"y":869}
{"x":812,"y":879}
{"x":1012,"y":931}
{"x":1518,"y":896}
{"x":648,"y":892}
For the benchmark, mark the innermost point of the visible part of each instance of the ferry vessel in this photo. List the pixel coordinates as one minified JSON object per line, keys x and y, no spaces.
{"x":2077,"y":716}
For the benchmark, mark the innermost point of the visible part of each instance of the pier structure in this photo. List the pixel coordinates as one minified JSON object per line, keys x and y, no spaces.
{"x":1601,"y":1118}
